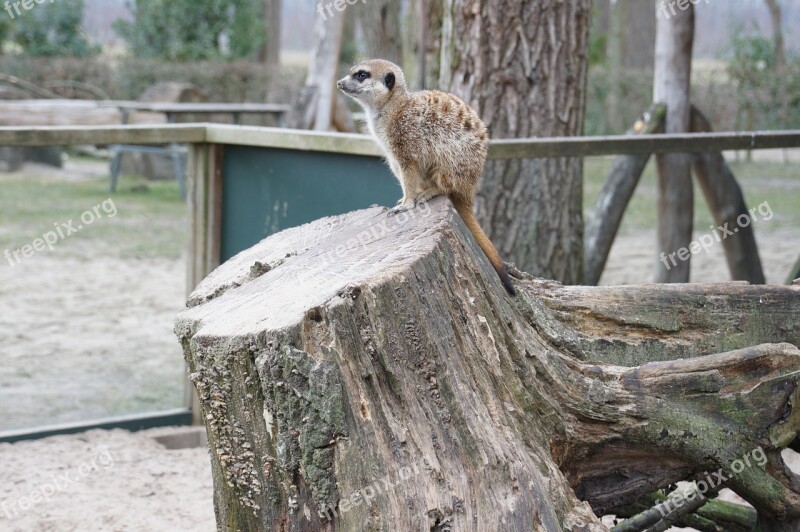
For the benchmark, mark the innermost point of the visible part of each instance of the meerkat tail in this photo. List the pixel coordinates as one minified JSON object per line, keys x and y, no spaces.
{"x":464,"y":209}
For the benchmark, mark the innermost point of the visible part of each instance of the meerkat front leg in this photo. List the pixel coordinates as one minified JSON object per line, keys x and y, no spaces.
{"x":398,"y":173}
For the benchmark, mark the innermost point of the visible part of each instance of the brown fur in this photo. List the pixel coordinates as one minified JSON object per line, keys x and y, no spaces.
{"x":434,"y":142}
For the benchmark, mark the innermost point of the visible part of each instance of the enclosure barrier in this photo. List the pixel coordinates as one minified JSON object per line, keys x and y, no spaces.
{"x":245,"y":183}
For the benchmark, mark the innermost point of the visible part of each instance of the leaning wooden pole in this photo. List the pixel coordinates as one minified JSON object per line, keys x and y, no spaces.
{"x":603,"y":222}
{"x":370,"y":373}
{"x":733,"y":219}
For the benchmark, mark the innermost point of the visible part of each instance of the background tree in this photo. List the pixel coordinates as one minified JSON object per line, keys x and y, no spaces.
{"x":52,"y":30}
{"x":194,"y":30}
{"x":270,"y":52}
{"x":777,"y":31}
{"x":523,"y":66}
{"x":380,"y":26}
{"x":672,"y":87}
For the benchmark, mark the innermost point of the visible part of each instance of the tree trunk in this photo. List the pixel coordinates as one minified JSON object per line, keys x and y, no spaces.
{"x":671,"y":86}
{"x":726,"y":202}
{"x":270,"y":53}
{"x":314,"y":106}
{"x":523,"y":65}
{"x":777,"y":31}
{"x":370,"y":373}
{"x":618,"y":26}
{"x":380,"y":26}
{"x":640,"y":34}
{"x":606,"y":216}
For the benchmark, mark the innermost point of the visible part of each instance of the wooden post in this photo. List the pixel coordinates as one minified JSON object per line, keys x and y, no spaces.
{"x":671,"y":86}
{"x":204,"y":200}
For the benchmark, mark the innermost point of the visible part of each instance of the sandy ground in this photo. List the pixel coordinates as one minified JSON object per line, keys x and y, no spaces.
{"x":88,"y":338}
{"x":105,"y":481}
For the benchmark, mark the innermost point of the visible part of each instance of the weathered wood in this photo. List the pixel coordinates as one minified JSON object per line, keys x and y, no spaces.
{"x":671,"y":87}
{"x":349,"y":143}
{"x":34,"y":113}
{"x":603,"y":222}
{"x":666,"y":513}
{"x":726,"y":202}
{"x":363,"y":145}
{"x":794,"y":275}
{"x":715,"y":516}
{"x":366,"y":372}
{"x":101,"y":135}
{"x":644,"y":144}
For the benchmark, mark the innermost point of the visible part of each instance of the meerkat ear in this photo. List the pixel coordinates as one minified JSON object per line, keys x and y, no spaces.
{"x":389,"y":80}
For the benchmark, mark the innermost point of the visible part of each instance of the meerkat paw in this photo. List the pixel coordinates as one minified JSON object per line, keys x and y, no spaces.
{"x":427,"y":195}
{"x":403,"y":204}
{"x":397,"y":209}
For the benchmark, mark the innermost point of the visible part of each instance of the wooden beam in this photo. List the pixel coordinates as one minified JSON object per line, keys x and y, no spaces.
{"x":364,"y":145}
{"x":293,"y":139}
{"x":642,"y":144}
{"x":102,"y":135}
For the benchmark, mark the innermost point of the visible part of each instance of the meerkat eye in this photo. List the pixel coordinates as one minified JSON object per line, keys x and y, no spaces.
{"x":361,"y":75}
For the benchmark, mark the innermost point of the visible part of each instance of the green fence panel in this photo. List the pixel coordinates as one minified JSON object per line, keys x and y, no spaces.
{"x":266,"y":190}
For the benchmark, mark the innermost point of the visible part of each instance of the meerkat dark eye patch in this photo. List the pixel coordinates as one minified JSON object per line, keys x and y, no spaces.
{"x":389,"y":80}
{"x":361,"y":75}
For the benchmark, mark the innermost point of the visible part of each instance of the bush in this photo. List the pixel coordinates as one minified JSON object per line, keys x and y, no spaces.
{"x":51,"y":30}
{"x":194,"y":30}
{"x":127,"y":79}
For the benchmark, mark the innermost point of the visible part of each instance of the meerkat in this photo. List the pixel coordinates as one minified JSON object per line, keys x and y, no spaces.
{"x":434,"y":143}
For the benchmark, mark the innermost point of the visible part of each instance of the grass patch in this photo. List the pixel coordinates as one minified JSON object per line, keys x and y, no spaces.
{"x":150,"y":221}
{"x":775,"y":183}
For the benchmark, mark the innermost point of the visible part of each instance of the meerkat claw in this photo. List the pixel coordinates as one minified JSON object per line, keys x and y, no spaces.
{"x":397,"y":209}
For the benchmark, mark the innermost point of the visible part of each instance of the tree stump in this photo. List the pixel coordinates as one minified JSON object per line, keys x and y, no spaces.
{"x":366,"y":372}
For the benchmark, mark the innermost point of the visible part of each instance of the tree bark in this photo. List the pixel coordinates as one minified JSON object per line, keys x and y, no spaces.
{"x":380,"y":26}
{"x":726,"y":202}
{"x":523,"y":65}
{"x":370,"y":373}
{"x":640,"y":34}
{"x":606,"y":216}
{"x":671,"y":86}
{"x":270,"y":53}
{"x":618,"y":26}
{"x":794,"y":275}
{"x":777,"y":31}
{"x":315,"y":105}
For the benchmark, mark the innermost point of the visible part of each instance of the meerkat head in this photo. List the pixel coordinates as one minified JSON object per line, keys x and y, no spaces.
{"x":373,"y":83}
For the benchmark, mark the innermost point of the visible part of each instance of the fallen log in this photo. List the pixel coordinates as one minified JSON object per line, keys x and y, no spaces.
{"x":35,"y":113}
{"x":370,"y":373}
